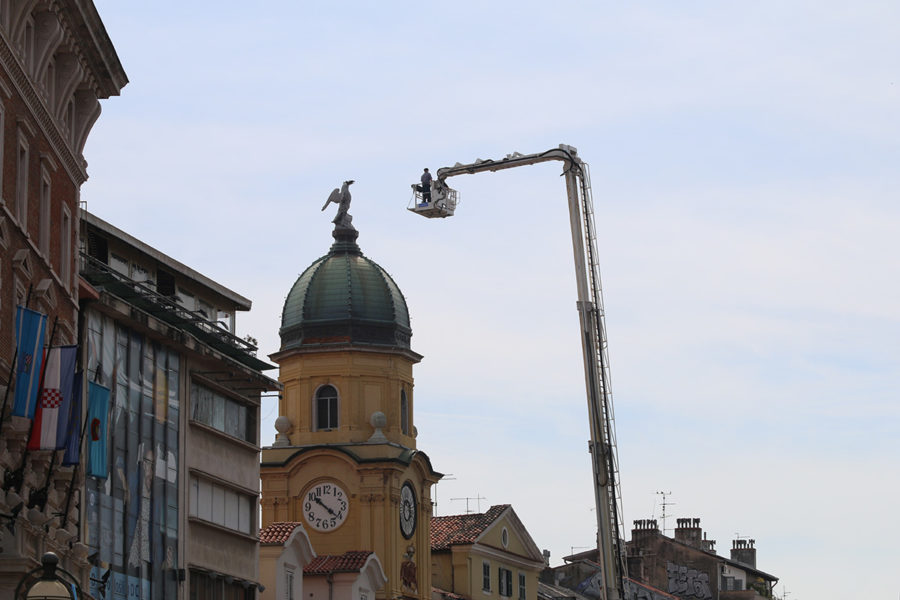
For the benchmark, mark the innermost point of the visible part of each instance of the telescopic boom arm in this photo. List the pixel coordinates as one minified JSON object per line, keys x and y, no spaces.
{"x":594,"y":346}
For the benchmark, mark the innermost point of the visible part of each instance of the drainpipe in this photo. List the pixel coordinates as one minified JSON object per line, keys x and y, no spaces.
{"x":330,"y":579}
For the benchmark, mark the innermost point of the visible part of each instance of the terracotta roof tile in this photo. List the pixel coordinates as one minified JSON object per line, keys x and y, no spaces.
{"x":462,"y":529}
{"x":277,"y":533}
{"x":348,"y":562}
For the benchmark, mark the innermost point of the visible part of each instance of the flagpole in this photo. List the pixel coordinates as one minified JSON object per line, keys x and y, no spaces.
{"x":14,"y":479}
{"x":9,"y":382}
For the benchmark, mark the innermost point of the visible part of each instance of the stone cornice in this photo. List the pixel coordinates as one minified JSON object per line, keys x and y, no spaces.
{"x":74,"y":165}
{"x":94,"y":46}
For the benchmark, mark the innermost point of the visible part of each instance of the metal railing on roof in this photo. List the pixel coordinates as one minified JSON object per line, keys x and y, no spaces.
{"x":167,"y":309}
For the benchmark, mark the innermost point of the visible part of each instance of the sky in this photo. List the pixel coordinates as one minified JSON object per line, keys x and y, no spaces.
{"x":744,"y":170}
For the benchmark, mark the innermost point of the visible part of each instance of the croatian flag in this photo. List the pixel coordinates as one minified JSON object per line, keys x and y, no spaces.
{"x":51,"y":419}
{"x":30,"y":326}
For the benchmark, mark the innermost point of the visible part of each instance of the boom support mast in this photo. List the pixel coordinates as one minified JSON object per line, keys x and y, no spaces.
{"x":602,"y":446}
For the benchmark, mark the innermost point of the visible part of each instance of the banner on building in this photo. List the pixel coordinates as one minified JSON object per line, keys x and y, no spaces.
{"x":98,"y":417}
{"x":51,"y":418}
{"x":73,"y":433}
{"x":30,"y":328}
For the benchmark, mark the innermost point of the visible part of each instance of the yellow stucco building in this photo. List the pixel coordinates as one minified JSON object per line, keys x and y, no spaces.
{"x":489,"y":556}
{"x":345,"y":463}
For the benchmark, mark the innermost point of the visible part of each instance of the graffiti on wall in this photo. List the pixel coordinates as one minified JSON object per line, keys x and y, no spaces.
{"x":685,"y":582}
{"x":637,"y":591}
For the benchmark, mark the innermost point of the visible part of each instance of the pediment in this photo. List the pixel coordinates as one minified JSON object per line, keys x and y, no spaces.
{"x":515,"y":541}
{"x":44,"y":292}
{"x":22,"y":263}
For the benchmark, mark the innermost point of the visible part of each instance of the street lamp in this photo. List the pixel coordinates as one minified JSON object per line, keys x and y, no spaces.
{"x":52,"y":583}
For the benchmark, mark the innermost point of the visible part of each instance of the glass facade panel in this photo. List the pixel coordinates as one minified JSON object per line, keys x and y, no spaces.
{"x":223,"y":413}
{"x":231,"y":510}
{"x":222,"y":506}
{"x":244,"y":514}
{"x":132,"y":513}
{"x":218,"y":505}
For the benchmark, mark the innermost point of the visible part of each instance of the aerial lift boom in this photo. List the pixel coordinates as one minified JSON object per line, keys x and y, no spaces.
{"x":593,"y":338}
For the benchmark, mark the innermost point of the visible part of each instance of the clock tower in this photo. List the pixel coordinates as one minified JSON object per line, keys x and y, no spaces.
{"x":345,"y":462}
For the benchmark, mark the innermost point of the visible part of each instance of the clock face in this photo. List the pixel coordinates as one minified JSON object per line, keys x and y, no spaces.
{"x":325,"y":506}
{"x":407,"y":510}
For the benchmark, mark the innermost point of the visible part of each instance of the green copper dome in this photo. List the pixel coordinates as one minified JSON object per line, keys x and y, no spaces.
{"x":345,"y":298}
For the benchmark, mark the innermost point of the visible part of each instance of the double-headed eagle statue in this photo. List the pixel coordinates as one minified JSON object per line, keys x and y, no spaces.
{"x":341,"y":197}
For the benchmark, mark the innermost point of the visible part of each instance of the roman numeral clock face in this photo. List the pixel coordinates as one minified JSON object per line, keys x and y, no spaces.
{"x":325,"y":506}
{"x":407,"y":510}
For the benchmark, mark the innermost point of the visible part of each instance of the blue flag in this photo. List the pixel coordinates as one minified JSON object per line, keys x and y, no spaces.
{"x":98,"y":416}
{"x":30,"y":327}
{"x":73,"y":431}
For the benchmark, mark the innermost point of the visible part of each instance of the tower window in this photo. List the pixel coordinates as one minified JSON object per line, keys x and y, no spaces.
{"x":404,"y":413}
{"x":326,"y":407}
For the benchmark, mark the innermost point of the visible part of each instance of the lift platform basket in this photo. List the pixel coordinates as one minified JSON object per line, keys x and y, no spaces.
{"x":442,"y":203}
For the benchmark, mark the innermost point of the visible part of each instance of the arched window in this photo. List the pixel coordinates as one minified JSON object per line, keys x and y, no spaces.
{"x":404,"y":413}
{"x":326,"y":408}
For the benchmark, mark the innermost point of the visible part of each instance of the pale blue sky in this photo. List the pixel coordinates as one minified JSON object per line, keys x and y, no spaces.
{"x":744,"y":165}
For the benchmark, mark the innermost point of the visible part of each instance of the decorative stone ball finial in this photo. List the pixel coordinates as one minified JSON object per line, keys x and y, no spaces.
{"x":283,"y":426}
{"x":378,"y":421}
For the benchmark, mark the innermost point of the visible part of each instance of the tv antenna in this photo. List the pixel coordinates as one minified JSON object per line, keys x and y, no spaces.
{"x":478,"y":498}
{"x":447,"y":477}
{"x":664,"y":504}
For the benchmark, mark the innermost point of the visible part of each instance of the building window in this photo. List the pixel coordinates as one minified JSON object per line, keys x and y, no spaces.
{"x":205,"y":586}
{"x":486,"y":576}
{"x":223,"y":413}
{"x":22,"y":184}
{"x":404,"y":413}
{"x":289,"y":584}
{"x":504,"y":581}
{"x":165,"y":283}
{"x":44,"y":225}
{"x":97,"y":247}
{"x":65,"y":247}
{"x":326,"y":407}
{"x":504,"y":537}
{"x":522,"y":588}
{"x":221,"y":505}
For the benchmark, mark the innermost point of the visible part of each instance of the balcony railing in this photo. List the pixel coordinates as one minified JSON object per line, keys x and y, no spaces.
{"x":168,"y":310}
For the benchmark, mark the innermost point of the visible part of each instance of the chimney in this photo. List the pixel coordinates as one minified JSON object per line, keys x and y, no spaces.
{"x":742,"y":551}
{"x":708,"y":545}
{"x":688,"y":531}
{"x":546,"y":554}
{"x":644,"y":529}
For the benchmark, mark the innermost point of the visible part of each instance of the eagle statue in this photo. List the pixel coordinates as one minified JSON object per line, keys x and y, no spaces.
{"x":341,"y":197}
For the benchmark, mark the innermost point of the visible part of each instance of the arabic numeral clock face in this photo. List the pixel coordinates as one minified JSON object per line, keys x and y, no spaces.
{"x":325,"y":506}
{"x":407,"y":510}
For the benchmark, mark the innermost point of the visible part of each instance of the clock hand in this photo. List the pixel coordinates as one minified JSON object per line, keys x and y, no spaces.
{"x":318,"y":501}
